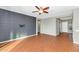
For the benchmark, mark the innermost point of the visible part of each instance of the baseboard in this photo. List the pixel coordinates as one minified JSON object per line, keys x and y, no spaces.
{"x":21,"y":38}
{"x":48,"y":34}
{"x":76,"y":42}
{"x":64,"y":32}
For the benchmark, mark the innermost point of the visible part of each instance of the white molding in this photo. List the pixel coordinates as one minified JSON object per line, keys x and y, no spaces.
{"x":49,"y":34}
{"x":21,"y":38}
{"x":76,"y":42}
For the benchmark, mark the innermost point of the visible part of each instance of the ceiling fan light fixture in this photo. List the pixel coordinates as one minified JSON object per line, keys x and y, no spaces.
{"x":40,"y":11}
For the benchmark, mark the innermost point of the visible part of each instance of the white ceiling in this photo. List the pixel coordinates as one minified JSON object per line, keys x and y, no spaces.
{"x":54,"y":11}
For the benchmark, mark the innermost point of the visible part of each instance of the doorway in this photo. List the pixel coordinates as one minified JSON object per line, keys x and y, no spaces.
{"x":64,"y":26}
{"x":39,"y":27}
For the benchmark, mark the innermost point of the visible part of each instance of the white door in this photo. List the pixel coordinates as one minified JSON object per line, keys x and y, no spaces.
{"x":65,"y":26}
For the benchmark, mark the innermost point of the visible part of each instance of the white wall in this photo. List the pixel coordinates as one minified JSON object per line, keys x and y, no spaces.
{"x":76,"y":26}
{"x":57,"y":26}
{"x":48,"y":26}
{"x":36,"y":25}
{"x":65,"y":26}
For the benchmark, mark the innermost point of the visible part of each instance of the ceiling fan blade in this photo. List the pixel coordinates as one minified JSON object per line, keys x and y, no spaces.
{"x":37,"y":7}
{"x":45,"y":11}
{"x":46,"y":8}
{"x":34,"y":11}
{"x":41,"y":8}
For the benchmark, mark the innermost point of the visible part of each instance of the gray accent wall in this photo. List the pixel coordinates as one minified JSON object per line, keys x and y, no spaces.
{"x":14,"y":25}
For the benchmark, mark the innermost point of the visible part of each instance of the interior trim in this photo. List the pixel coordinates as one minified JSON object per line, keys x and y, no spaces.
{"x":18,"y":38}
{"x":75,"y":42}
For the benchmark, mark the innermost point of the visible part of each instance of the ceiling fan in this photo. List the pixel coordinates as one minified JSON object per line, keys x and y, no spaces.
{"x":41,"y":10}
